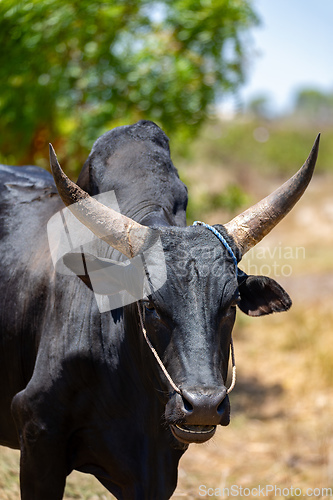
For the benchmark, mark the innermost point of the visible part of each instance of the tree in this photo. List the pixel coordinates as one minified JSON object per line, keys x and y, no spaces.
{"x":314,"y":106}
{"x":69,"y":70}
{"x":260,"y":107}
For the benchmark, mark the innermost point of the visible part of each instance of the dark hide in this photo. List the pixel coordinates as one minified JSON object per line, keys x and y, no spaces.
{"x":80,"y":389}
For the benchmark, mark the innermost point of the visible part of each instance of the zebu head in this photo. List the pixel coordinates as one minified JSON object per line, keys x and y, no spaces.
{"x":189,"y":318}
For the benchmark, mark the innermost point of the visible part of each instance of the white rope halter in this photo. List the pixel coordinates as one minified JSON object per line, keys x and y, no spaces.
{"x":165,"y":371}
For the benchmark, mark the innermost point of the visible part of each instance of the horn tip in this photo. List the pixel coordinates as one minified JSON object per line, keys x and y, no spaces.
{"x":312,"y":158}
{"x":55,"y":167}
{"x":316,"y":143}
{"x":51,"y":150}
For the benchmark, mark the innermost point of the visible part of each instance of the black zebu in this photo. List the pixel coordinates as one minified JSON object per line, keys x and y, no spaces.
{"x":80,"y":389}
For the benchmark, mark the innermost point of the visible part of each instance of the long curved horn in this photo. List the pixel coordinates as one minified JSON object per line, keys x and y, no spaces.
{"x":119,"y":231}
{"x":251,"y":226}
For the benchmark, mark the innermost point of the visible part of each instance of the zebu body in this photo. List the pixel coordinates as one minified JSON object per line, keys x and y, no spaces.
{"x":33,"y":317}
{"x":80,"y":389}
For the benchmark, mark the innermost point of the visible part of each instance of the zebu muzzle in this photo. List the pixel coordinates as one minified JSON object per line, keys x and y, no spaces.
{"x":198,"y":414}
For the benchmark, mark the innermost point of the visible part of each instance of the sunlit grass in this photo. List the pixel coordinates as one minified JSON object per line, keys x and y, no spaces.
{"x":85,"y":487}
{"x":9,"y":479}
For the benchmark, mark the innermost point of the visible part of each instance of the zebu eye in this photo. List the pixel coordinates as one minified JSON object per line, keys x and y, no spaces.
{"x":230,"y":303}
{"x":235,"y":301}
{"x":149,"y":306}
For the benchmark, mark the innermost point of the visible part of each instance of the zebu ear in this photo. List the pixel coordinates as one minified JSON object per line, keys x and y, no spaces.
{"x":260,"y":295}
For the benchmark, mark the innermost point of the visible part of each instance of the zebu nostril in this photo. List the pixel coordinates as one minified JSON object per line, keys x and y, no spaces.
{"x":224,"y":411}
{"x":204,"y":409}
{"x":222,"y":405}
{"x":187,"y":405}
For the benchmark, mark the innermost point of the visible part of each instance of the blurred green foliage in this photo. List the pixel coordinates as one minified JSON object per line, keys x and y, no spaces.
{"x":231,"y":199}
{"x":275,"y":147}
{"x":315,"y":106}
{"x":248,"y":149}
{"x":70,"y":70}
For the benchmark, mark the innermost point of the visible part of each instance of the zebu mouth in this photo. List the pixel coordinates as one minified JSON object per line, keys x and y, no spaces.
{"x":193,"y":433}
